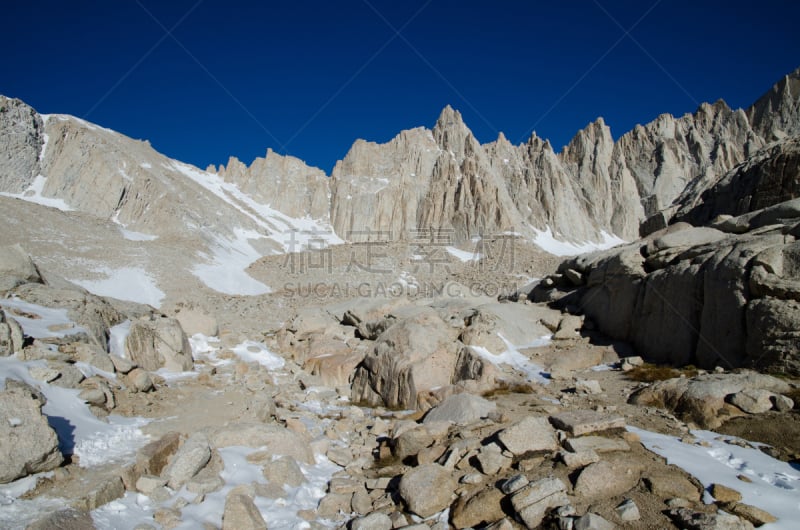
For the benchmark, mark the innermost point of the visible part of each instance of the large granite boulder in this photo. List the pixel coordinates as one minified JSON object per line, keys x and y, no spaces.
{"x":159,"y":343}
{"x":27,"y":442}
{"x":412,"y":356}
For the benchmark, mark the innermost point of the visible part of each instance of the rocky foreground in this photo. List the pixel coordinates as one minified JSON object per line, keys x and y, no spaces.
{"x":456,"y":410}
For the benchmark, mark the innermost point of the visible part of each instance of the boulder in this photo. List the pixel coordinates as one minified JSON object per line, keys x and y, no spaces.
{"x":93,"y":313}
{"x":241,"y":513}
{"x":495,"y":326}
{"x":11,"y":336}
{"x":692,"y":520}
{"x":16,"y":268}
{"x":427,"y":489}
{"x":532,"y":502}
{"x":580,"y":422}
{"x":413,"y":356}
{"x":461,"y":409}
{"x":192,"y":456}
{"x":752,"y":401}
{"x":701,"y":399}
{"x":154,"y":457}
{"x":29,"y":445}
{"x":373,"y":521}
{"x":332,"y":360}
{"x":530,"y":434}
{"x":607,"y":478}
{"x":483,"y":507}
{"x":64,"y":519}
{"x":159,"y":343}
{"x":284,"y":471}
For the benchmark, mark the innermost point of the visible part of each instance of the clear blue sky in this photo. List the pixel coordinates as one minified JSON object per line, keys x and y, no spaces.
{"x":206,"y":79}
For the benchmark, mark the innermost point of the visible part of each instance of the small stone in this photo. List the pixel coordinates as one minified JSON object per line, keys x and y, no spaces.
{"x":598,"y":444}
{"x":667,"y":485}
{"x":628,"y":511}
{"x":121,"y":364}
{"x":723,"y":494}
{"x":398,"y":520}
{"x":147,"y":483}
{"x":43,"y":373}
{"x":592,"y":521}
{"x":529,"y":435}
{"x":492,"y":460}
{"x":472,"y":478}
{"x":427,"y":489}
{"x":373,"y":521}
{"x":580,"y":422}
{"x":140,"y":380}
{"x":755,"y":515}
{"x":361,"y":502}
{"x":744,"y":478}
{"x":580,"y":459}
{"x":752,"y":401}
{"x":588,"y":386}
{"x":502,"y":524}
{"x":677,"y":502}
{"x":241,"y":513}
{"x":782,"y":403}
{"x":514,"y":484}
{"x":93,"y":396}
{"x":380,"y":483}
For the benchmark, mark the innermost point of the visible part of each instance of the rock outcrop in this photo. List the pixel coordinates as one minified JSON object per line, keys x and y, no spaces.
{"x":285,"y":183}
{"x":725,"y":295}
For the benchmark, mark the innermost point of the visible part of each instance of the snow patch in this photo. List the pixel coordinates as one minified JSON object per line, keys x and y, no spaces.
{"x":515,"y":359}
{"x":226,"y":272}
{"x":128,"y":283}
{"x":41,"y":322}
{"x":34,"y":194}
{"x":116,"y":339}
{"x":80,"y":433}
{"x":251,"y":351}
{"x":464,"y":255}
{"x":130,"y":235}
{"x":548,"y":242}
{"x":775,"y":485}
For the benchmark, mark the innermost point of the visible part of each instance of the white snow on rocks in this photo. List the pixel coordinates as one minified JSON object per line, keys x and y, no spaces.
{"x":34,"y":194}
{"x":775,"y":485}
{"x":225,"y":270}
{"x":116,"y":339}
{"x":80,"y":433}
{"x":41,"y":322}
{"x":127,"y":283}
{"x":251,"y":351}
{"x":464,"y":255}
{"x":517,"y":360}
{"x":548,"y":242}
{"x":130,"y":235}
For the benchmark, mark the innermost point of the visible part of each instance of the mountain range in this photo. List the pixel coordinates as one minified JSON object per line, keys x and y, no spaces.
{"x":594,"y":192}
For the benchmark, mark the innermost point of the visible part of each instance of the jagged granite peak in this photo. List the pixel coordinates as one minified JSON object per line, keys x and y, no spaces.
{"x":282,"y":181}
{"x":377,"y":188}
{"x":21,"y":138}
{"x":775,"y":115}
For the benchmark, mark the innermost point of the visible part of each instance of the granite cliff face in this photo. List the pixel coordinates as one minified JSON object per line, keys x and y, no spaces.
{"x":444,"y":179}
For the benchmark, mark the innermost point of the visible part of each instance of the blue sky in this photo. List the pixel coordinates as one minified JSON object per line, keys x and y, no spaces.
{"x":206,"y":79}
